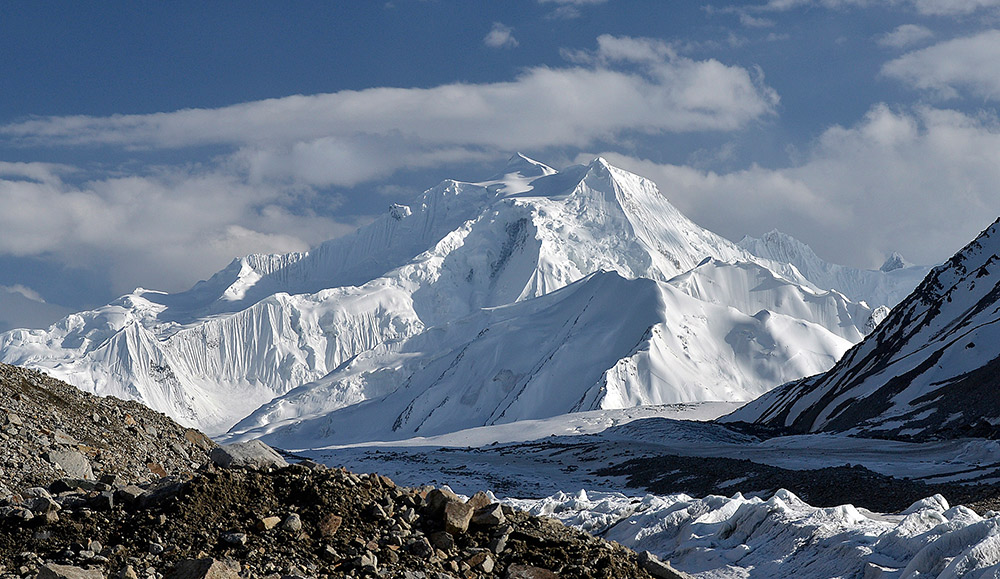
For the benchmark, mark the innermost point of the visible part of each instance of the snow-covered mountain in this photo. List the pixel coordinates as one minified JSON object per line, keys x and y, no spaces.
{"x":603,"y":342}
{"x":886,"y":286}
{"x":268,"y":324}
{"x":930,"y":370}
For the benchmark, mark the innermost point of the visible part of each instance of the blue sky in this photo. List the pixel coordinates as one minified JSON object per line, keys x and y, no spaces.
{"x":147,"y":144}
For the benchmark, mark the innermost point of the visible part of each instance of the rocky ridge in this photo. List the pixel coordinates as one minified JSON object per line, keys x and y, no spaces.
{"x":50,"y":430}
{"x":146,"y":498}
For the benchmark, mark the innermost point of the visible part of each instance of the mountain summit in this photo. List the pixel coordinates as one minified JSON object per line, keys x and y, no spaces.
{"x":268,"y":324}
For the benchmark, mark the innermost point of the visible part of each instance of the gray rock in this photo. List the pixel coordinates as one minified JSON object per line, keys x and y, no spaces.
{"x":421,"y":548}
{"x":206,"y":568}
{"x":498,"y":544}
{"x":489,"y":516}
{"x":367,"y":561}
{"x":234,"y":538}
{"x":128,"y":494}
{"x":529,"y":572}
{"x":72,"y":462}
{"x":292,"y":523}
{"x":457,"y":517}
{"x":53,"y":571}
{"x":252,"y":454}
{"x":443,"y":540}
{"x":652,"y":565}
{"x":61,"y":437}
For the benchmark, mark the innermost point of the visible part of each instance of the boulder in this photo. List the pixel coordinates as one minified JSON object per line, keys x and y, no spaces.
{"x":206,"y":568}
{"x":457,"y":517}
{"x":252,"y":454}
{"x":489,"y":516}
{"x":72,"y":462}
{"x":53,"y":571}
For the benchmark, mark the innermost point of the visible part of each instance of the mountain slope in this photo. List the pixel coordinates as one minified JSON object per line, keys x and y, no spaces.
{"x":929,"y":370}
{"x":751,"y":287}
{"x":603,"y":342}
{"x":884,"y":287}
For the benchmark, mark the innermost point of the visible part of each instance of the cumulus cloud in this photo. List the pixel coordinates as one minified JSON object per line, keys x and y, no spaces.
{"x":921,"y":181}
{"x":168,"y":229}
{"x":905,"y":36}
{"x":500,"y":36}
{"x":274,"y":155}
{"x":348,"y":137}
{"x":950,"y":67}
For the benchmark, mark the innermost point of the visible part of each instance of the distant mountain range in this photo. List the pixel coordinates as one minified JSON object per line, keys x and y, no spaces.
{"x":533,"y":293}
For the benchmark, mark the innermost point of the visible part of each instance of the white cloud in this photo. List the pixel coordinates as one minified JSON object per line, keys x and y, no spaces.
{"x":500,"y":36}
{"x":949,"y":67}
{"x":25,"y":291}
{"x":905,"y":36}
{"x":348,"y":137}
{"x":924,"y":7}
{"x":167,"y":230}
{"x":922,"y":182}
{"x":953,"y":7}
{"x":166,"y":227}
{"x":755,"y":22}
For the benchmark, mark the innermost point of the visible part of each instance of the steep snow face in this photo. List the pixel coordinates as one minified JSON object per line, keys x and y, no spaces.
{"x":267,"y":324}
{"x":884,"y":287}
{"x":601,"y":343}
{"x":751,"y":287}
{"x":929,"y":370}
{"x":212,"y":373}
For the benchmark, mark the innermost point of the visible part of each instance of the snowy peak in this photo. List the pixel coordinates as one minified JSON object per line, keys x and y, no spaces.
{"x":269,"y":324}
{"x":780,"y":247}
{"x":928,"y":371}
{"x":525,"y":167}
{"x":885,"y":287}
{"x":893,"y":262}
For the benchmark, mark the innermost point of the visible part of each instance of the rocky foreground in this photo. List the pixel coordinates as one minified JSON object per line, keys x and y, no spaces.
{"x":95,"y":488}
{"x":264,"y":519}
